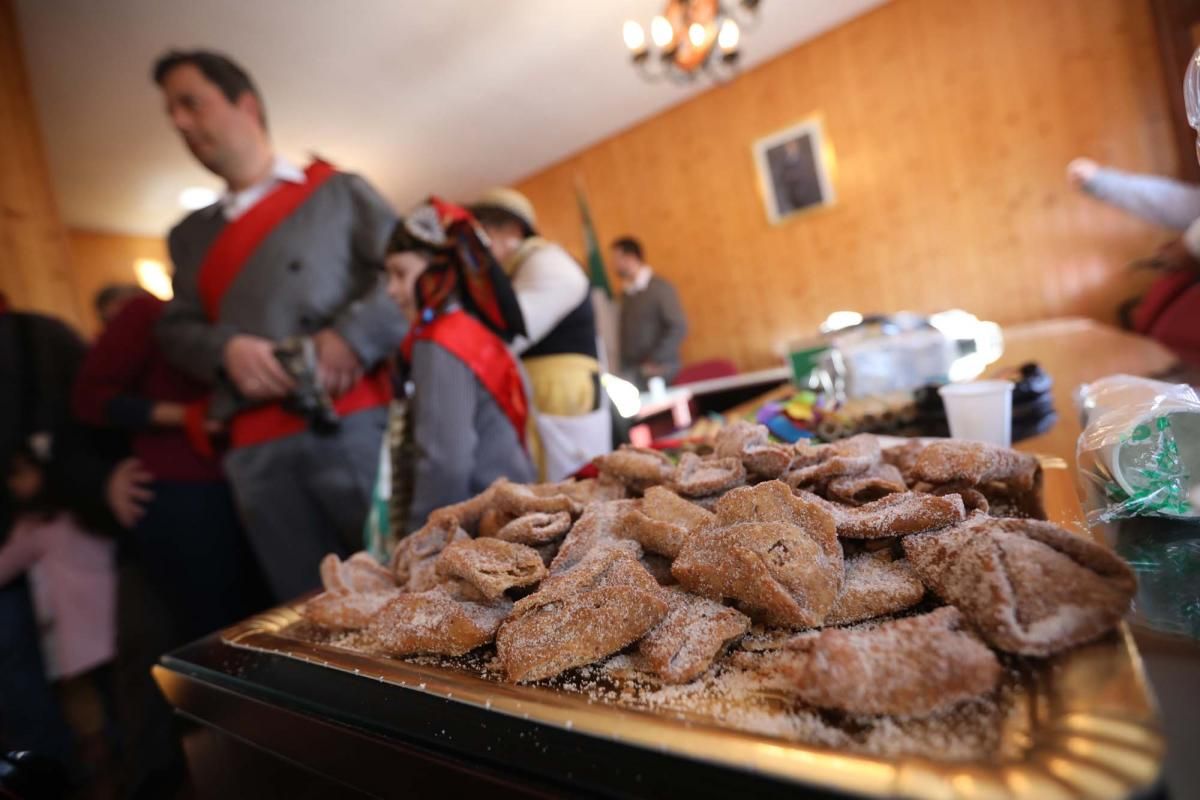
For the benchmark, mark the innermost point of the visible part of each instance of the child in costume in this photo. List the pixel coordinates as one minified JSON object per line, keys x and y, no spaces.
{"x":463,"y":399}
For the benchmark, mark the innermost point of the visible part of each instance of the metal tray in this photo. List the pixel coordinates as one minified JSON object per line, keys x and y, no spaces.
{"x":1087,"y":725}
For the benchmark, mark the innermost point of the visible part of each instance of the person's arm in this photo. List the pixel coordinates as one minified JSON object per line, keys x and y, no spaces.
{"x":443,"y":432}
{"x":370,"y":323}
{"x":22,"y":550}
{"x":189,"y":340}
{"x":549,"y":285}
{"x":1160,"y":200}
{"x":674,"y":326}
{"x":104,"y":392}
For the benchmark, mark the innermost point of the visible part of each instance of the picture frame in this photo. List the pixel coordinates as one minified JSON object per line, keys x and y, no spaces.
{"x":794,"y":170}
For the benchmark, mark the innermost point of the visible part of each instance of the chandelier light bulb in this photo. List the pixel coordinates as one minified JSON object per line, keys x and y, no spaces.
{"x":727,"y":39}
{"x":635,"y":37}
{"x":696,"y":34}
{"x":661,"y":32}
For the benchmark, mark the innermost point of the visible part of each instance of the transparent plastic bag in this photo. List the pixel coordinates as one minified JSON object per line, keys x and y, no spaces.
{"x":1139,"y":454}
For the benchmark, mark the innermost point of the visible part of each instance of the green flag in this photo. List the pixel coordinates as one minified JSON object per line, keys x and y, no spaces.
{"x":595,"y":261}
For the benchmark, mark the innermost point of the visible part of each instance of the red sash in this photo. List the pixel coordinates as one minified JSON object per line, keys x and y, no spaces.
{"x":485,"y":355}
{"x":240,"y":238}
{"x":226,"y":257}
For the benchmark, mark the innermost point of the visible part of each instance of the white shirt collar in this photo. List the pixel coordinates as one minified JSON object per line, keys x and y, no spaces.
{"x":641,"y":280}
{"x":234,"y":204}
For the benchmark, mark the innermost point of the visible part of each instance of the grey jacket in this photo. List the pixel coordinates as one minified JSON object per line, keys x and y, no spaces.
{"x":463,"y":441}
{"x":652,"y":327}
{"x":319,"y":268}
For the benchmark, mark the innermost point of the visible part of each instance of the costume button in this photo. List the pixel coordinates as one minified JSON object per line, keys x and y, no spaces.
{"x":294,"y":266}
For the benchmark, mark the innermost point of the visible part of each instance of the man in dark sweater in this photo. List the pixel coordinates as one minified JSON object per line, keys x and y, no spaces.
{"x":652,"y":321}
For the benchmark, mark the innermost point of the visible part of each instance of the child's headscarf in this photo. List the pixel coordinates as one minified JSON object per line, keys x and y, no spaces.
{"x":461,"y":267}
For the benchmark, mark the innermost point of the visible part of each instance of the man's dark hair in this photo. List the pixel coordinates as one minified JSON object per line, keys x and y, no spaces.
{"x":221,"y":70}
{"x":495,"y":217}
{"x":630,"y":247}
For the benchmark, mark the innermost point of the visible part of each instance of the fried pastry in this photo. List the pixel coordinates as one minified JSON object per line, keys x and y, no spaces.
{"x":415,"y":555}
{"x":604,"y":603}
{"x":434,"y":623}
{"x":638,"y":468}
{"x":878,"y":481}
{"x":616,"y":564}
{"x":596,"y":528}
{"x":575,"y":630}
{"x":493,"y":566}
{"x":359,"y":573}
{"x":975,"y":463}
{"x":904,"y":458}
{"x":466,"y":515}
{"x":818,"y":463}
{"x":873,"y":587}
{"x":347,"y":611}
{"x":592,"y":490}
{"x":774,"y":554}
{"x":895,"y":515}
{"x":693,"y":634}
{"x":661,"y":521}
{"x":492,"y":521}
{"x":699,"y":477}
{"x":752,"y":445}
{"x":917,"y":666}
{"x":535,"y":529}
{"x":518,"y":499}
{"x":1028,"y":586}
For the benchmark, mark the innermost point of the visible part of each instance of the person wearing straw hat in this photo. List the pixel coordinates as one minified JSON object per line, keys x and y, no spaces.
{"x":560,"y":349}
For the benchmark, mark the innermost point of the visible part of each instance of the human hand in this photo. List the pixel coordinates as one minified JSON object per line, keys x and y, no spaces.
{"x":168,"y":415}
{"x":127,"y":492}
{"x":651,"y":369}
{"x":338,"y":365}
{"x":1080,"y":171}
{"x":251,"y":364}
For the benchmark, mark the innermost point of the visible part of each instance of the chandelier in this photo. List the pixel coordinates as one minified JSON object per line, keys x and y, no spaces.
{"x":688,"y":38}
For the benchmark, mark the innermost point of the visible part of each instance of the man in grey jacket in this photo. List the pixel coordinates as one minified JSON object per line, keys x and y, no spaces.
{"x":652,"y":322}
{"x":286,"y":252}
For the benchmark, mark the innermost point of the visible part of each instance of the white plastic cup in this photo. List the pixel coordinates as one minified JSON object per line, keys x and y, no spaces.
{"x":979,"y":411}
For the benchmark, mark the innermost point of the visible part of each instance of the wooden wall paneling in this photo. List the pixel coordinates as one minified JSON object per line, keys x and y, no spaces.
{"x":34,"y":265}
{"x":99,"y":259}
{"x":951,"y":121}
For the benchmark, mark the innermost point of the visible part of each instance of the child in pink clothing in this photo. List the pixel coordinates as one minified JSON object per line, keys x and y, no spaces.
{"x":73,"y":580}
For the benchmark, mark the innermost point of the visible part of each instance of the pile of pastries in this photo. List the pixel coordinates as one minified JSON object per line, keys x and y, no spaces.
{"x":885,"y":578}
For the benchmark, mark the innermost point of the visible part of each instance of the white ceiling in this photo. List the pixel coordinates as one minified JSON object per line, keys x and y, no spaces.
{"x":448,"y":96}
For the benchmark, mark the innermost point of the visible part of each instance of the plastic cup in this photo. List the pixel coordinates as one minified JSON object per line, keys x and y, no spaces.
{"x":979,"y":411}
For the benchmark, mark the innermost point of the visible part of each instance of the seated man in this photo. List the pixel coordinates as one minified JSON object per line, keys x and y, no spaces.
{"x":466,"y":410}
{"x":652,"y":322}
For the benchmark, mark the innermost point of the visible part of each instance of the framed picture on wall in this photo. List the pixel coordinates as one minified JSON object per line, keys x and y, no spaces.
{"x":793,"y":172}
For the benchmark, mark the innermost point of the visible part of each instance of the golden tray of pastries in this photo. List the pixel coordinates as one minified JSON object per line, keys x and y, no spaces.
{"x":907,"y":626}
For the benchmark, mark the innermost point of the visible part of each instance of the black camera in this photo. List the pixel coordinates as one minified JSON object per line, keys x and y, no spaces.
{"x":298,"y":355}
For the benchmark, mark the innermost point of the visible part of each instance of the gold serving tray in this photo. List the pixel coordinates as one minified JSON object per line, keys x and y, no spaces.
{"x":1091,"y":728}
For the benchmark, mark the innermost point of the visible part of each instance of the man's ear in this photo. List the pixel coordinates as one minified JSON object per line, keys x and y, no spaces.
{"x":248,"y":103}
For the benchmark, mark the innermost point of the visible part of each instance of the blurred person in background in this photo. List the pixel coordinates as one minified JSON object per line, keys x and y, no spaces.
{"x":652,"y":323}
{"x":559,"y":350}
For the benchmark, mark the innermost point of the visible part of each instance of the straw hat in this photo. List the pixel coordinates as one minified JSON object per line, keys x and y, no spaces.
{"x":509,"y":200}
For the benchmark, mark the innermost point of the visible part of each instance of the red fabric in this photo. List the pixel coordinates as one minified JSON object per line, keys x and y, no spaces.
{"x":705,"y":370}
{"x":270,"y":422}
{"x":1177,"y":325}
{"x":195,"y":419}
{"x":1165,"y":290}
{"x":485,"y":355}
{"x":125,"y":361}
{"x":240,"y":238}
